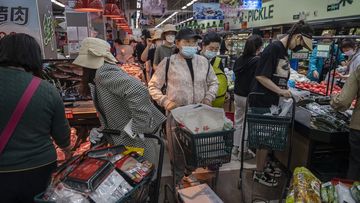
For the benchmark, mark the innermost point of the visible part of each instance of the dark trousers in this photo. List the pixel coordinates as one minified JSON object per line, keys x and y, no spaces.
{"x":354,"y":159}
{"x":21,"y":187}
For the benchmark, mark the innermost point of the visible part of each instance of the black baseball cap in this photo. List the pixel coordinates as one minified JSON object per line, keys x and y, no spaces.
{"x":187,"y":33}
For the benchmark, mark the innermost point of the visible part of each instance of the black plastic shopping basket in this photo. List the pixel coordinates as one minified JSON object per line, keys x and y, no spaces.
{"x":204,"y":149}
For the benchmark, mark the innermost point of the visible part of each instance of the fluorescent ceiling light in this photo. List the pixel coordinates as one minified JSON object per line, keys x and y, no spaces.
{"x":187,"y":20}
{"x":184,"y":7}
{"x":166,"y":19}
{"x":58,"y":3}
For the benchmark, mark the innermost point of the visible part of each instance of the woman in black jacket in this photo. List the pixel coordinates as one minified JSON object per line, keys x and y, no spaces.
{"x":244,"y":70}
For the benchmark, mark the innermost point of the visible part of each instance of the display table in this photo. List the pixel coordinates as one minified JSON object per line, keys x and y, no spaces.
{"x":83,"y":113}
{"x":83,"y":117}
{"x":324,"y":153}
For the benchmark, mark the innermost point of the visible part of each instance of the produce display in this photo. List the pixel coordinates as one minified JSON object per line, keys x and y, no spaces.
{"x":355,"y":191}
{"x":317,"y":88}
{"x":325,"y":118}
{"x":305,"y":187}
{"x":339,"y":191}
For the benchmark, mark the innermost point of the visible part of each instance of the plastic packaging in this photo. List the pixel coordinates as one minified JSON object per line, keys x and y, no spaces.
{"x":112,"y":189}
{"x":62,"y":194}
{"x":306,"y":186}
{"x":344,"y":194}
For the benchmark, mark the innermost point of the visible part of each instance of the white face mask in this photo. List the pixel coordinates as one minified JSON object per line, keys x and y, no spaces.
{"x":170,"y":38}
{"x":351,"y":52}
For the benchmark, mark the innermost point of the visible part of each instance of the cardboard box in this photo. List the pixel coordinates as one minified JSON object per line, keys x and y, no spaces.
{"x":199,"y":194}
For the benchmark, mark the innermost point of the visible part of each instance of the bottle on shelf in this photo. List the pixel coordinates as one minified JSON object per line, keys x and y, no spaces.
{"x":208,"y":27}
{"x":221,"y":26}
{"x":214,"y":26}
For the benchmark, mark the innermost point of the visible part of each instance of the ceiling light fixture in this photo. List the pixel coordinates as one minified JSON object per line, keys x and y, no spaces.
{"x":189,"y":4}
{"x":88,"y":6}
{"x":185,"y":21}
{"x":166,"y":19}
{"x":58,"y":3}
{"x":111,"y":10}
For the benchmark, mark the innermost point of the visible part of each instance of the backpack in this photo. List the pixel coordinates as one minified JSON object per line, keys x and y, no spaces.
{"x":223,"y":84}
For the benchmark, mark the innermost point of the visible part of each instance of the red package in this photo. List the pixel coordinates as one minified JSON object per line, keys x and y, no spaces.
{"x":86,"y":169}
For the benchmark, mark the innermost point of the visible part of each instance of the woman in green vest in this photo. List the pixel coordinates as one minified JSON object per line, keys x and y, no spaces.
{"x":210,"y":48}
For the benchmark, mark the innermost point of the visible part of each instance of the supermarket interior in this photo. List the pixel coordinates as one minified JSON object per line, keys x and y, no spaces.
{"x":166,"y":101}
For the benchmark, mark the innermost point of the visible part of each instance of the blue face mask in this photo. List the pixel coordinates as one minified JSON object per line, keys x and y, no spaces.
{"x":210,"y":54}
{"x":188,"y":51}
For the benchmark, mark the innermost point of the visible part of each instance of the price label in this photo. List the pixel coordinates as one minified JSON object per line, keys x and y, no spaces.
{"x":69,"y":114}
{"x":322,"y":54}
{"x":300,"y":55}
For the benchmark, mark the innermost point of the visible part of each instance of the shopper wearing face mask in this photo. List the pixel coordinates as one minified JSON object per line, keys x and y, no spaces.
{"x":190,"y":79}
{"x":349,"y":48}
{"x":318,"y":66}
{"x":168,"y":47}
{"x":148,"y":54}
{"x":272,"y":75}
{"x":210,"y":48}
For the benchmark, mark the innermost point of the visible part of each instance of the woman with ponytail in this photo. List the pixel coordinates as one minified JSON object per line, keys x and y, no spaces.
{"x":272,"y":76}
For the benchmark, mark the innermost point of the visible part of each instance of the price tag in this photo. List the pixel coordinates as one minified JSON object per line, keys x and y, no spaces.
{"x":69,"y":114}
{"x":300,"y":55}
{"x":323,"y":50}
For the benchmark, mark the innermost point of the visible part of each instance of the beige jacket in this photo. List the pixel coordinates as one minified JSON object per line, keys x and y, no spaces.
{"x":350,"y":91}
{"x":180,"y":88}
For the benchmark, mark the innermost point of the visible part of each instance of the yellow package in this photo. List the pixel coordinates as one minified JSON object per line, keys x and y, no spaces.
{"x":306,"y":186}
{"x":138,"y":150}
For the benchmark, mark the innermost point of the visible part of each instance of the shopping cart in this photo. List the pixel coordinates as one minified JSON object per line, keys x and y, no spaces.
{"x":148,"y":190}
{"x":266,"y":131}
{"x":198,"y":151}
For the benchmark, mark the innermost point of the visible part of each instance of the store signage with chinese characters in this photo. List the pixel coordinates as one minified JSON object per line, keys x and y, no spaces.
{"x":32,"y":17}
{"x":337,"y":6}
{"x":18,"y":15}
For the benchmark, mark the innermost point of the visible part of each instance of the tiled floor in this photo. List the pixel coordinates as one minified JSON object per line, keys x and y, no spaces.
{"x":227,"y":186}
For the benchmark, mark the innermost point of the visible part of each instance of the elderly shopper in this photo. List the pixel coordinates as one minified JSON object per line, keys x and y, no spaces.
{"x":119,"y":98}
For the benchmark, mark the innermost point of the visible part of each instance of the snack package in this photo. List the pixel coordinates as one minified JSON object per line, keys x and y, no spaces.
{"x":344,"y":194}
{"x":355,"y":191}
{"x":135,"y":170}
{"x":111,"y":190}
{"x":306,"y":186}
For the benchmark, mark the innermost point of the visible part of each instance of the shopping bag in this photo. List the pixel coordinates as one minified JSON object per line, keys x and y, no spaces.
{"x":199,"y":118}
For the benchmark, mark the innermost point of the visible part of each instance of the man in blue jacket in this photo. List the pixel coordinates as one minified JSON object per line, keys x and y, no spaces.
{"x":319,"y":67}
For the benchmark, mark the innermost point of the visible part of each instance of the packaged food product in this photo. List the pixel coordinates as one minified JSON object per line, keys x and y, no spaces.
{"x":89,"y":174}
{"x":306,"y":186}
{"x":112,"y":189}
{"x":135,"y":170}
{"x":355,"y":191}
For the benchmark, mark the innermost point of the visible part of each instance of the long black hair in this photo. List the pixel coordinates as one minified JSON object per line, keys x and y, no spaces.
{"x":21,"y":50}
{"x":299,"y":28}
{"x":253,"y":43}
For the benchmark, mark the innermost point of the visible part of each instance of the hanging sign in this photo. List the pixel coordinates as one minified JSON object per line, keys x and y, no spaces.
{"x":230,"y":8}
{"x":208,"y":11}
{"x":251,"y":4}
{"x":154,"y":7}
